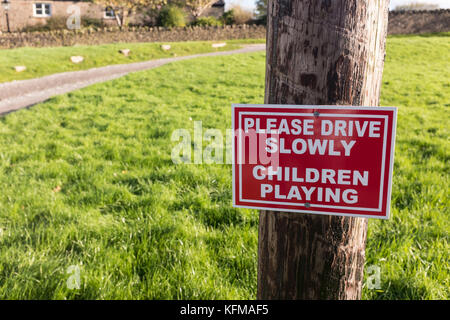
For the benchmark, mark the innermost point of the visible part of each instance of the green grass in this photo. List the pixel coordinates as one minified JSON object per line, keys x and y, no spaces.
{"x":45,"y":61}
{"x":412,"y":249}
{"x":87,"y":179}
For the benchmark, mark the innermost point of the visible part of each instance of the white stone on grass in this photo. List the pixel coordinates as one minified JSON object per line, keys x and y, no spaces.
{"x":125,"y":52}
{"x":166,"y":47}
{"x":219,"y":45}
{"x":76,"y":59}
{"x":20,"y":68}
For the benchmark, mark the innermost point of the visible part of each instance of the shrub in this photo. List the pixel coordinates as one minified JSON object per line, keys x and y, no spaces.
{"x":172,"y":17}
{"x":228,"y":17}
{"x":92,"y":22}
{"x":261,"y":20}
{"x":237,"y":15}
{"x":150,"y":18}
{"x":59,"y":23}
{"x":53,"y":23}
{"x":207,"y":21}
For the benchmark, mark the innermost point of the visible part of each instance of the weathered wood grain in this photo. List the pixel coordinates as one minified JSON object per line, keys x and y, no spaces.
{"x":319,"y":52}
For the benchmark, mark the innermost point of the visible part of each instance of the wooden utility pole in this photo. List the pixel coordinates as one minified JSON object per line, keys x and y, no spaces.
{"x":319,"y":52}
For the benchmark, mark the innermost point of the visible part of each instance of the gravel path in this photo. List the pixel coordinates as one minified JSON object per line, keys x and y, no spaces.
{"x":24,"y":93}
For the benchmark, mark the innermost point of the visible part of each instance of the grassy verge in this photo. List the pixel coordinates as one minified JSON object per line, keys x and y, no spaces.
{"x":412,"y":249}
{"x":87,"y":180}
{"x":45,"y":61}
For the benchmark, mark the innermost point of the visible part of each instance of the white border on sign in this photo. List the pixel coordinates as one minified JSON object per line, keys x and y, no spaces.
{"x":380,"y":201}
{"x":386,"y":123}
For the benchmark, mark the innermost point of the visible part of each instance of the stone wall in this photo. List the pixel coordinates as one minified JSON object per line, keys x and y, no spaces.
{"x":399,"y":23}
{"x":143,"y":34}
{"x":408,"y":22}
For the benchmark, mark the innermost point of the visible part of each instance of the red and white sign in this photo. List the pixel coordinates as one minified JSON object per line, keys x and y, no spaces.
{"x":332,"y":160}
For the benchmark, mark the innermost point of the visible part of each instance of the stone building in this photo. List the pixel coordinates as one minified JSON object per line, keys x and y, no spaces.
{"x":216,"y":10}
{"x":23,"y":13}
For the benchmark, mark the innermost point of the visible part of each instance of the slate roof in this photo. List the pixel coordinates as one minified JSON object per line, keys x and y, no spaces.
{"x":220,"y":3}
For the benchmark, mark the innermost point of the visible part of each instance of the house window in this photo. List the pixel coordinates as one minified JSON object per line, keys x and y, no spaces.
{"x":109,"y":13}
{"x":42,"y":9}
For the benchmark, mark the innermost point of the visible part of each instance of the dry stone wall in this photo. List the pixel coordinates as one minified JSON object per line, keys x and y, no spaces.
{"x":404,"y":22}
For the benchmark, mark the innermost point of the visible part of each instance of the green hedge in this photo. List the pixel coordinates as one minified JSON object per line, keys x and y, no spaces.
{"x":172,"y":17}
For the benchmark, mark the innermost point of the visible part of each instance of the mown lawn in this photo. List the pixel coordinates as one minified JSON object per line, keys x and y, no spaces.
{"x":87,"y":179}
{"x":45,"y":61}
